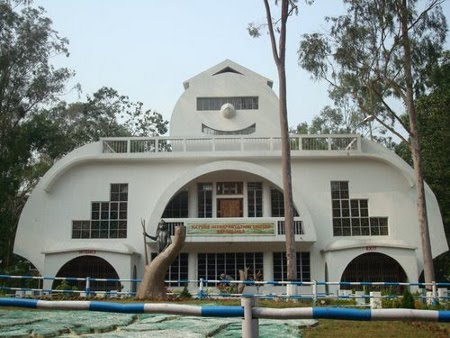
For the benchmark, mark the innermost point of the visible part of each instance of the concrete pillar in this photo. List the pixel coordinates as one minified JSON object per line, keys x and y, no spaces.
{"x":250,"y":327}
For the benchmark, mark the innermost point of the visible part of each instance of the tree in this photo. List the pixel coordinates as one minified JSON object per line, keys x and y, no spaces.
{"x":376,"y":54}
{"x":104,"y":114}
{"x":433,"y":121}
{"x":27,"y":81}
{"x":36,"y":128}
{"x":287,"y":8}
{"x":56,"y":131}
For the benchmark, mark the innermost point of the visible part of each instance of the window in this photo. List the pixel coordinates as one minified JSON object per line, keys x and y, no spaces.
{"x":239,"y":102}
{"x":298,"y":227}
{"x":277,"y":202}
{"x":178,"y":206}
{"x":303,"y":266}
{"x":254,"y":199}
{"x":178,"y":270}
{"x":212,"y":265}
{"x":108,"y":219}
{"x":211,"y":131}
{"x":229,"y":188}
{"x":351,"y":216}
{"x":204,"y":194}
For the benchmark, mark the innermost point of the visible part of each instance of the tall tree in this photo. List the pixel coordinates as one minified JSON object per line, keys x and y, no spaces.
{"x":379,"y":53}
{"x":433,"y":121}
{"x":287,"y":8}
{"x":56,"y":131}
{"x":35,"y":128}
{"x":27,"y":81}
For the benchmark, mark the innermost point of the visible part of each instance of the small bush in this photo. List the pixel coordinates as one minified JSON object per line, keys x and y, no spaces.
{"x":407,"y":300}
{"x":185,"y":294}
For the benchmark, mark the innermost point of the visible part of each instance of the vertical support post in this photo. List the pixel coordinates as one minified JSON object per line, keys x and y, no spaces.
{"x":250,"y":328}
{"x":314,"y":291}
{"x":88,"y":286}
{"x":200,"y":289}
{"x":434,"y":290}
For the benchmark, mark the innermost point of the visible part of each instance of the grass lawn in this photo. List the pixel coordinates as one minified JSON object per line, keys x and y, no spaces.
{"x":356,"y":329}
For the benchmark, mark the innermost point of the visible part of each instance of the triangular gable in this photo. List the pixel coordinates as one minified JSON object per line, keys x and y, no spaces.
{"x":227,"y":70}
{"x":229,"y":66}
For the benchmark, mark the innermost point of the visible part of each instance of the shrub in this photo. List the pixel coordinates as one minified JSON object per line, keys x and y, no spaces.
{"x":407,"y":300}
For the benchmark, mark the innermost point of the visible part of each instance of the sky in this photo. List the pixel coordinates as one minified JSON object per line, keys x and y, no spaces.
{"x":145,"y":49}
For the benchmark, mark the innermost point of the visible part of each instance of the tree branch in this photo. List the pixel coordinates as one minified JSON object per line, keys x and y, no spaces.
{"x":271,"y":32}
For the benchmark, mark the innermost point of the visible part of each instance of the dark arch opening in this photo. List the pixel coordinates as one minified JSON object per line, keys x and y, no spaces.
{"x":373,"y":267}
{"x":89,"y":266}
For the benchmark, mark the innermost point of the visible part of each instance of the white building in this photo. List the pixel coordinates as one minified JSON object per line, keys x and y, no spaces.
{"x":219,"y":174}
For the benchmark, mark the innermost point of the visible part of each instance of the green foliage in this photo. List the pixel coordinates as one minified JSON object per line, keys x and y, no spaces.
{"x":433,"y":122}
{"x":185,"y":294}
{"x":27,"y":81}
{"x":362,"y":59}
{"x":407,"y":300}
{"x":35,"y":128}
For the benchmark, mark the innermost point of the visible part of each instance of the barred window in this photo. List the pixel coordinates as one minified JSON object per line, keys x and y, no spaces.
{"x":351,"y":216}
{"x":108,"y":218}
{"x":204,"y":194}
{"x":178,"y":270}
{"x":254,"y":199}
{"x":212,"y":265}
{"x":303,"y":266}
{"x":277,"y":203}
{"x":178,"y":206}
{"x":239,"y":102}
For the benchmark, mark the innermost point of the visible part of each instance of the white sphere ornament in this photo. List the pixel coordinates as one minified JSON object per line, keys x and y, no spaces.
{"x":228,"y":110}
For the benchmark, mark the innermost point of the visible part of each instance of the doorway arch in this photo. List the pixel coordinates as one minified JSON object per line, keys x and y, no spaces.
{"x":373,"y":267}
{"x":89,"y":266}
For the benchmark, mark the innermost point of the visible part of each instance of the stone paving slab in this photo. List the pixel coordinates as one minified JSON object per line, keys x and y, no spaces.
{"x":69,"y":324}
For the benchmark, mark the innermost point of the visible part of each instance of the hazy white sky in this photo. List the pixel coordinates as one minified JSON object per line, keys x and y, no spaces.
{"x":146,"y":48}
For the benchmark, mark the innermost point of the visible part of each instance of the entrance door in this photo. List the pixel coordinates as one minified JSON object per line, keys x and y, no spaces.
{"x":229,"y":207}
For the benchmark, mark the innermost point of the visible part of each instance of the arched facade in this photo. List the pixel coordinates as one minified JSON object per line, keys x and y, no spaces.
{"x":219,"y":174}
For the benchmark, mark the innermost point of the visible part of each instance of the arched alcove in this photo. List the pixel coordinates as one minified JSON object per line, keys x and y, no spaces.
{"x":89,"y":266}
{"x":373,"y":267}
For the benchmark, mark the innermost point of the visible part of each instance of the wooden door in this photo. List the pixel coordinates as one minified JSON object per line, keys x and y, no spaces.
{"x":229,"y":207}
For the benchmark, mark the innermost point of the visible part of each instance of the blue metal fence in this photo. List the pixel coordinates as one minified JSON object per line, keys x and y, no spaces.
{"x":207,"y":288}
{"x":247,"y":311}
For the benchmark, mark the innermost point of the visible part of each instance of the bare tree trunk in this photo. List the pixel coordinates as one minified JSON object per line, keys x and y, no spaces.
{"x":416,"y":150}
{"x":280,"y":57}
{"x":152,"y":285}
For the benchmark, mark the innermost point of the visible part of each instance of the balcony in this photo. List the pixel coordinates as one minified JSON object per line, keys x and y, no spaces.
{"x":141,"y":145}
{"x":260,"y":229}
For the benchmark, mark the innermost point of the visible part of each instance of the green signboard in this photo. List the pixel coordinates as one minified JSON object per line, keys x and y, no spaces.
{"x":227,"y":229}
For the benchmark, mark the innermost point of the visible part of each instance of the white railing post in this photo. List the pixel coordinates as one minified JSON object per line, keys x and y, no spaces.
{"x":434,"y":290}
{"x":88,"y":286}
{"x":314,"y":291}
{"x":200,"y":289}
{"x":250,"y":328}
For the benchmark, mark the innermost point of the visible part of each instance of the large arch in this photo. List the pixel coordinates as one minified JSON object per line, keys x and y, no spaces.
{"x":373,"y":267}
{"x":235,"y":166}
{"x":89,"y":266}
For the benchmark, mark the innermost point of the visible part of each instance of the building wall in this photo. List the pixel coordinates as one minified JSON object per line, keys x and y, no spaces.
{"x":152,"y":183}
